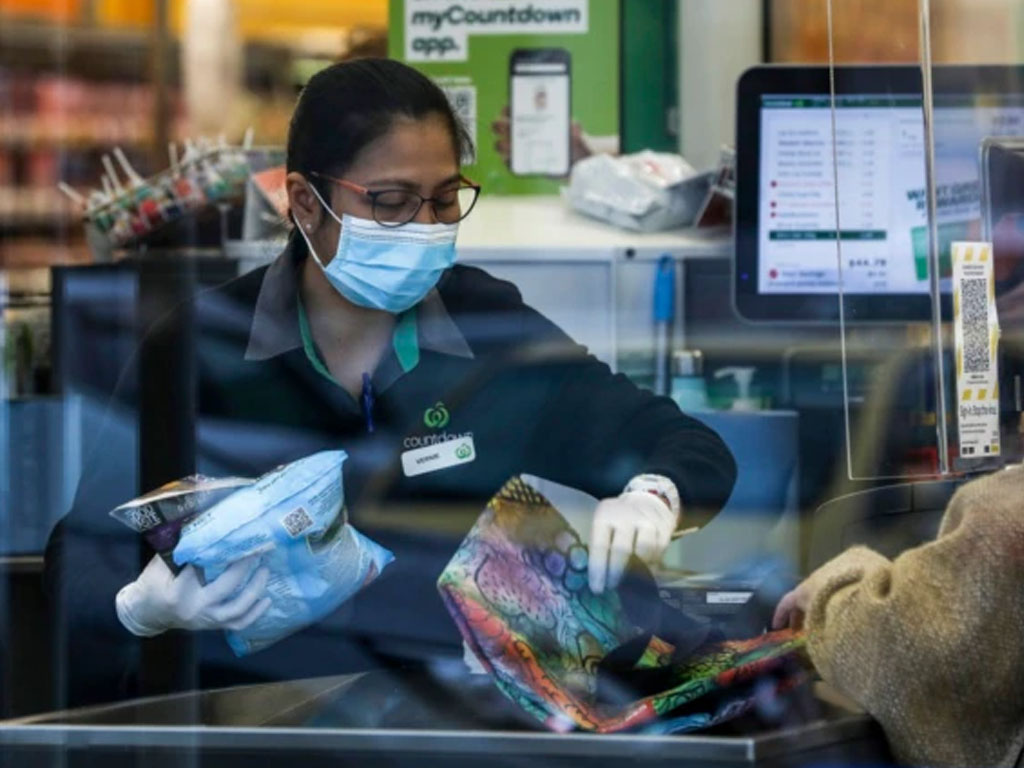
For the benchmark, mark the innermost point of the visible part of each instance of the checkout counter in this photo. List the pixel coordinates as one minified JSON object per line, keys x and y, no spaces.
{"x":462,"y":721}
{"x":597,"y":283}
{"x":457,"y":720}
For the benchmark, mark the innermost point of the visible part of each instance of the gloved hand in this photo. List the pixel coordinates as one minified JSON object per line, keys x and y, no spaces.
{"x":637,"y":522}
{"x":158,"y":600}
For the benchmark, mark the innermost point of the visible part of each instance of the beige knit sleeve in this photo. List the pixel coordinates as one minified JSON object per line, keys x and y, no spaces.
{"x":929,"y":643}
{"x":852,"y":584}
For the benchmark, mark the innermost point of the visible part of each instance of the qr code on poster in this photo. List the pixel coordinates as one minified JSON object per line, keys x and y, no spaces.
{"x":463,"y":101}
{"x":974,"y":316}
{"x":297,"y":522}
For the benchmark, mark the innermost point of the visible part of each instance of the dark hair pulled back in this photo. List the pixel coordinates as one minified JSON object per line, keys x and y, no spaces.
{"x":348,"y":105}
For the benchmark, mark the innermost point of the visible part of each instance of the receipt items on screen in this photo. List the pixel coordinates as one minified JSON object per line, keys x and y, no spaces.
{"x":294,"y":518}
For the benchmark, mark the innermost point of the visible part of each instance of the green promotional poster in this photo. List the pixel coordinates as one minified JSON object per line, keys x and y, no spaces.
{"x":536,"y":82}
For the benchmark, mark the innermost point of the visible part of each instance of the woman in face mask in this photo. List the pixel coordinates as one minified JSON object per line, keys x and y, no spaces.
{"x":378,"y":214}
{"x":376,"y":197}
{"x":365,"y":335}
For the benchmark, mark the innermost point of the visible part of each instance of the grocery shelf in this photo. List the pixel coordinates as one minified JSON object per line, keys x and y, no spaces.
{"x":89,"y":52}
{"x":124,"y":55}
{"x":37,"y":252}
{"x":69,"y":141}
{"x":41,"y":211}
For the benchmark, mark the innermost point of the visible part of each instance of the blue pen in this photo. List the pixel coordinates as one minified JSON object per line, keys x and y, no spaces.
{"x":368,"y":402}
{"x":664,"y":312}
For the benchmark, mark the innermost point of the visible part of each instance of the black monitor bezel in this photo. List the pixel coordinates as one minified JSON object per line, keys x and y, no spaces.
{"x":894,"y":80}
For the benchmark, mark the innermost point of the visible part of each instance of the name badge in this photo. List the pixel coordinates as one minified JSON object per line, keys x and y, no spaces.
{"x":433,"y":458}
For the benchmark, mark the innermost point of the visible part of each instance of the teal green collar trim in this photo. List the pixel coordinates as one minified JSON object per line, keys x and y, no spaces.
{"x":274,"y":330}
{"x":308,"y":345}
{"x":404,"y":340}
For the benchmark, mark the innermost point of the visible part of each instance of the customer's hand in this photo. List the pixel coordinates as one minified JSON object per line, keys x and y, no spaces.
{"x":793,"y":607}
{"x":158,"y":600}
{"x":637,"y":522}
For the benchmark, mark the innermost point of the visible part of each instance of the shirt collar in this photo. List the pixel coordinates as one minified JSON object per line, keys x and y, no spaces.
{"x":275,"y":325}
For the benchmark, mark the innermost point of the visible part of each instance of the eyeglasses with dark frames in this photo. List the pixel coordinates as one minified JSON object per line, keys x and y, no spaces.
{"x":396,"y":207}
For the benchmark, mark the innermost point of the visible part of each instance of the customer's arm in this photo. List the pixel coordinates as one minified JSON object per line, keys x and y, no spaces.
{"x":930,"y":643}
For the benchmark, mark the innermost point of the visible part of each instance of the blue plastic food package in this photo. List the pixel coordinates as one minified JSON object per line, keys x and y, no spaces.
{"x":161,"y":514}
{"x":294,"y":519}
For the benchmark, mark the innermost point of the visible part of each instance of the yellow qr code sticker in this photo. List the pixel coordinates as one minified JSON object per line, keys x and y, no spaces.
{"x":976,"y":337}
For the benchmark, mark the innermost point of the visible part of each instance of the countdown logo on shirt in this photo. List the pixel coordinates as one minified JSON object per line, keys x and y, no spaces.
{"x":436,"y":417}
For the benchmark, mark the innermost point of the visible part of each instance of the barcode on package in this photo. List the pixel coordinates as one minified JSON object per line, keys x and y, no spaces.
{"x":974,"y":303}
{"x":141,"y":519}
{"x":297,"y":522}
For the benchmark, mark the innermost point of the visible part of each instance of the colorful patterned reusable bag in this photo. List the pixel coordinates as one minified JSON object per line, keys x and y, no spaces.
{"x":518,"y":591}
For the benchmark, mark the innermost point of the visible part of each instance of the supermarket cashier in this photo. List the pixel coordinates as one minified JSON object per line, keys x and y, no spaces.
{"x":365,"y":334}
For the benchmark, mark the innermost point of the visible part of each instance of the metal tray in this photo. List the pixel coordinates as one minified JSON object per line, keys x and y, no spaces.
{"x":263,"y":724}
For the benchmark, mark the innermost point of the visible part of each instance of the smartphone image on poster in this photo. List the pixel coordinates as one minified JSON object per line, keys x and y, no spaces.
{"x":539,"y":103}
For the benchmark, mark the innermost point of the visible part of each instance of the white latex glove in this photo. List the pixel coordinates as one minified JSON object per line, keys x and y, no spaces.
{"x":158,"y":600}
{"x":637,"y":522}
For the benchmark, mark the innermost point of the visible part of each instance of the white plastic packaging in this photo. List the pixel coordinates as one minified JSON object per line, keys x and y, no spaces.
{"x":645,"y":192}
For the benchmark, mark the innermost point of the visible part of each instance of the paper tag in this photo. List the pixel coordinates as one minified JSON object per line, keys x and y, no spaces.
{"x":433,"y":458}
{"x":976,"y":330}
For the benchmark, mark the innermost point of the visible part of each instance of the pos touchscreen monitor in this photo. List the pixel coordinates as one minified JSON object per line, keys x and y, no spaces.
{"x":787,"y":197}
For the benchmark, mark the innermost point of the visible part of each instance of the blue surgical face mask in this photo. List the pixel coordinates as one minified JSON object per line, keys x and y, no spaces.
{"x":386,"y":268}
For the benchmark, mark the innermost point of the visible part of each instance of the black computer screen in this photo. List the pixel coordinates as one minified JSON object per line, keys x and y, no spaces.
{"x":798,"y":186}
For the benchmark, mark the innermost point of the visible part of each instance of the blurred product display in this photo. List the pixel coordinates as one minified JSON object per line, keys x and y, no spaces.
{"x":129,"y":208}
{"x":78,"y":79}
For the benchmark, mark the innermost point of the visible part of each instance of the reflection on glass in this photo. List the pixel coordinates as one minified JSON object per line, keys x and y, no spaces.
{"x":947,"y":525}
{"x":369,"y":476}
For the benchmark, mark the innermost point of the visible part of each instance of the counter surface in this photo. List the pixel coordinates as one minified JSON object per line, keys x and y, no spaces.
{"x":546,"y":222}
{"x":276,"y":719}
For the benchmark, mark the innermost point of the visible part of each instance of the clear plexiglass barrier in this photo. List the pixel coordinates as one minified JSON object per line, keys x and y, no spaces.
{"x":923,"y":214}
